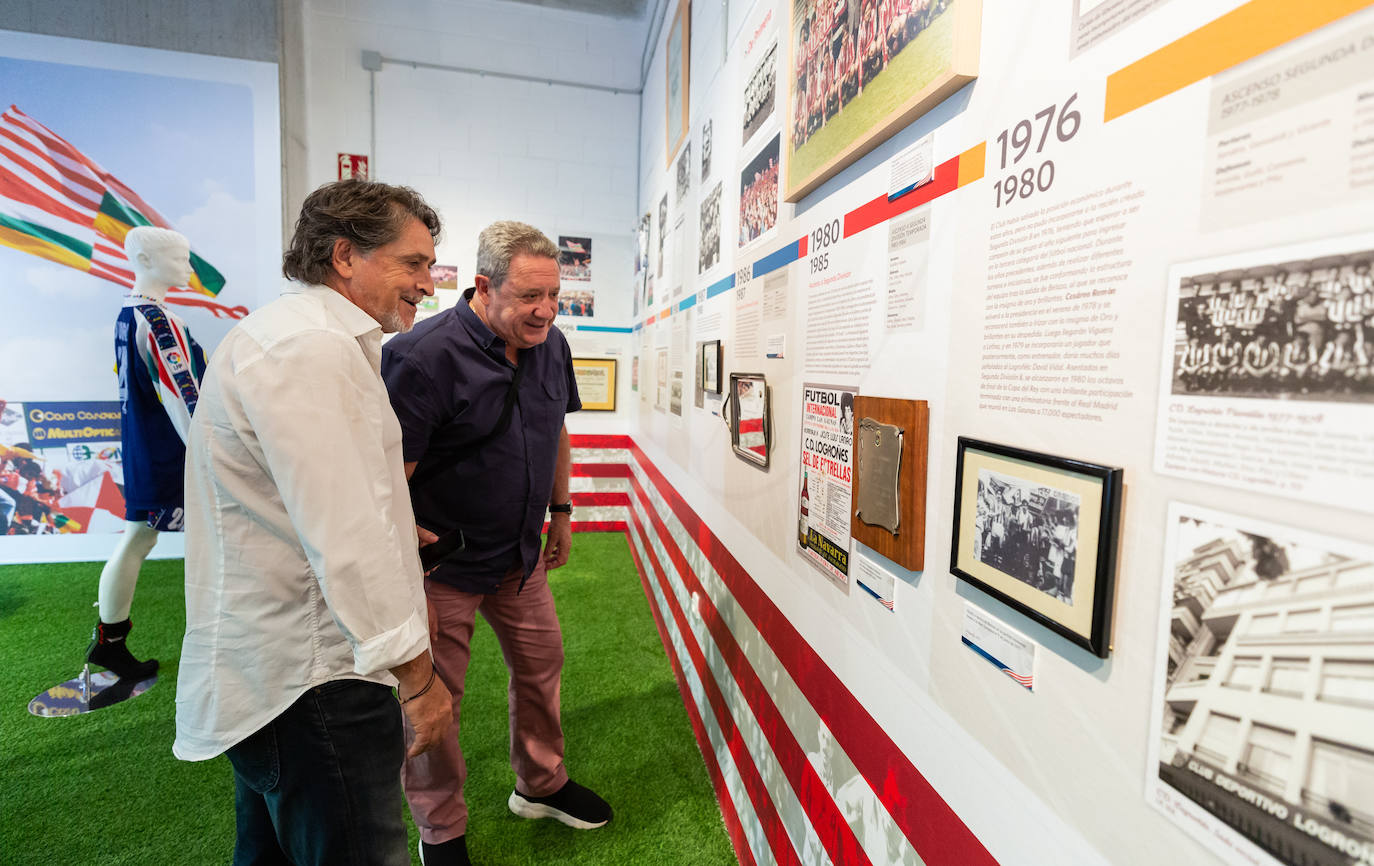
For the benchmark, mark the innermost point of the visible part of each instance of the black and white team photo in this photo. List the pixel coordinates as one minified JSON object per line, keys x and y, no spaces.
{"x":1028,"y":531}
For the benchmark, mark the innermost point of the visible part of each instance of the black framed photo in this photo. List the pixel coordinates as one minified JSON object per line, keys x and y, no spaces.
{"x":710,"y":366}
{"x":1039,"y":533}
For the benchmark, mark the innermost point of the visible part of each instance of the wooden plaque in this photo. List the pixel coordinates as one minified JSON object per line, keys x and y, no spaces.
{"x":908,"y":547}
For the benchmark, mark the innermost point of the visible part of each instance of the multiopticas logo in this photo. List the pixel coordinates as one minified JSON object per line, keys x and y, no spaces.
{"x":90,"y":423}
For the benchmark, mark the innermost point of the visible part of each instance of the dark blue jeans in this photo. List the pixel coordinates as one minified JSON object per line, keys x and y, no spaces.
{"x":321,"y":783}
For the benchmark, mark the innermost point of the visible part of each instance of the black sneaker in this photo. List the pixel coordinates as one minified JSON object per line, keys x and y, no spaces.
{"x":572,"y":804}
{"x":454,"y":852}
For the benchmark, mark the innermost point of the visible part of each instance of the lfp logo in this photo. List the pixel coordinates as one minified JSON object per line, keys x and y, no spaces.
{"x":106,"y":452}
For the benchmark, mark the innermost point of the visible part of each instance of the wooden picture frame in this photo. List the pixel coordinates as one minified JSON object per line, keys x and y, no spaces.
{"x":1039,"y":533}
{"x":712,"y":361}
{"x":828,"y":128}
{"x":595,"y":383}
{"x":678,"y":56}
{"x":907,"y":546}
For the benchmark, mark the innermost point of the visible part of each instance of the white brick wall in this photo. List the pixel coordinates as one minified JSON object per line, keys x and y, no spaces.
{"x":481,"y":148}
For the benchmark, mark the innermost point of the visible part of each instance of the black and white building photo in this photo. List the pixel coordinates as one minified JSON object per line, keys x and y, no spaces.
{"x":1028,"y":531}
{"x":1268,"y":704}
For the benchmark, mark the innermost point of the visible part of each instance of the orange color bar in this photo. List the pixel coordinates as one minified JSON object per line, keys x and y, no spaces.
{"x":1237,"y":36}
{"x":971,"y":163}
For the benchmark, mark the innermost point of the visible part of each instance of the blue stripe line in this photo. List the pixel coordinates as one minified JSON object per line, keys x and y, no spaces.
{"x":603,"y":328}
{"x":781,"y":258}
{"x":719,"y":286}
{"x":777,"y":259}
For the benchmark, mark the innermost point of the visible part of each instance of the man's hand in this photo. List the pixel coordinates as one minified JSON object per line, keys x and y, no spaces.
{"x":426,"y":537}
{"x":559,"y":541}
{"x":429,"y":715}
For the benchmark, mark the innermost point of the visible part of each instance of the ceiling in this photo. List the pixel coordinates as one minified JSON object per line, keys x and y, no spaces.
{"x":632,"y":9}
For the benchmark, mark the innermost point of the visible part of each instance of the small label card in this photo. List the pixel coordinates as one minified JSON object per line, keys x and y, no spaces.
{"x":911,"y":168}
{"x":1011,"y":651}
{"x":876,"y":581}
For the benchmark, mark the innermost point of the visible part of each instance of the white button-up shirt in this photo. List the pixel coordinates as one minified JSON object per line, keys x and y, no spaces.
{"x":301,"y":559}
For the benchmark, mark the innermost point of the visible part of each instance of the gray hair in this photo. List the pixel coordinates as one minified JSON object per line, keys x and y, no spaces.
{"x":368,"y":214}
{"x":502,"y":241}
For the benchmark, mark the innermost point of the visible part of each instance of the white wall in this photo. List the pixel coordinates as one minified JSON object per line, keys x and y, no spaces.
{"x":484,"y":148}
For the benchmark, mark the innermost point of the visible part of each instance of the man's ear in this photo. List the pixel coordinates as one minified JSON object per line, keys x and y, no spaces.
{"x":483,"y":285}
{"x":342,"y":257}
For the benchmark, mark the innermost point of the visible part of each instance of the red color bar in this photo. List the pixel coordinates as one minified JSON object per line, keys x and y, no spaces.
{"x":600,"y":470}
{"x":600,"y":497}
{"x":600,"y":440}
{"x":879,"y":210}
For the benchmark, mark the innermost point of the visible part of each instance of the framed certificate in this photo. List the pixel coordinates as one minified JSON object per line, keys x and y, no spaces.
{"x":595,"y":383}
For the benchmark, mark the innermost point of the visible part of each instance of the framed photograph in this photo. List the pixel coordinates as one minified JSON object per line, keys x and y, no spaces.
{"x":574,"y":258}
{"x":857,"y":74}
{"x":758,"y":193}
{"x":1039,"y":533}
{"x":595,"y":383}
{"x":678,"y":77}
{"x":710,"y":366}
{"x":748,"y":413}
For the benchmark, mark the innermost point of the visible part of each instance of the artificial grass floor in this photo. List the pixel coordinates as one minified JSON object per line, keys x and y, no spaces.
{"x":104,"y":788}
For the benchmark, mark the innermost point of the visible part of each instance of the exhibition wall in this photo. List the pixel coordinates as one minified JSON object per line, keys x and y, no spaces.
{"x":1033,"y":256}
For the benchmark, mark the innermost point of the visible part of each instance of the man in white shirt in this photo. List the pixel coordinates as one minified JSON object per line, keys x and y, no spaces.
{"x":304,"y":596}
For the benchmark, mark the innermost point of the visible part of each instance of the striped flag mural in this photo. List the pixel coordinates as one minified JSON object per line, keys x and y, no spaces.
{"x":803,"y":773}
{"x":59,"y":204}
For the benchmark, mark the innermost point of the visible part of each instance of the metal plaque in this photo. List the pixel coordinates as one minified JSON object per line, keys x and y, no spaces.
{"x":878,"y":447}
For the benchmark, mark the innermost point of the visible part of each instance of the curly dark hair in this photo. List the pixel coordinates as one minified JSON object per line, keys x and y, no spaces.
{"x":367,"y":213}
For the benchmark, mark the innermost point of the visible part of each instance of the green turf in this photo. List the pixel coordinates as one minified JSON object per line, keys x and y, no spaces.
{"x":104,"y":788}
{"x":914,"y":67}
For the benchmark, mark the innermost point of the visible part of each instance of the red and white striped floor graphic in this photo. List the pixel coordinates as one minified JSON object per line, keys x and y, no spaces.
{"x":803,"y":772}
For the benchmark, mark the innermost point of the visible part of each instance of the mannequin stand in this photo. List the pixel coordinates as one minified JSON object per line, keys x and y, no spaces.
{"x":86,"y":693}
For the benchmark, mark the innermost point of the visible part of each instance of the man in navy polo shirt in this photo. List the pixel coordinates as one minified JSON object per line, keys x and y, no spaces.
{"x":481,"y":391}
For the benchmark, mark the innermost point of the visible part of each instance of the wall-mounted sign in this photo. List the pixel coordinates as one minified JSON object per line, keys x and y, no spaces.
{"x":352,"y":165}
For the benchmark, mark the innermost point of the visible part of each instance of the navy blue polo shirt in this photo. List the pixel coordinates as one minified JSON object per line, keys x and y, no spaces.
{"x":448,"y":379}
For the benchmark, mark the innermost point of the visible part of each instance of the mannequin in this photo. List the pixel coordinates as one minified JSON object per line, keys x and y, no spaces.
{"x":159,"y":368}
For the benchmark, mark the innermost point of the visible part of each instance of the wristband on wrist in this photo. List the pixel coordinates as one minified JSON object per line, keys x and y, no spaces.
{"x":565,"y":508}
{"x":433,"y":672}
